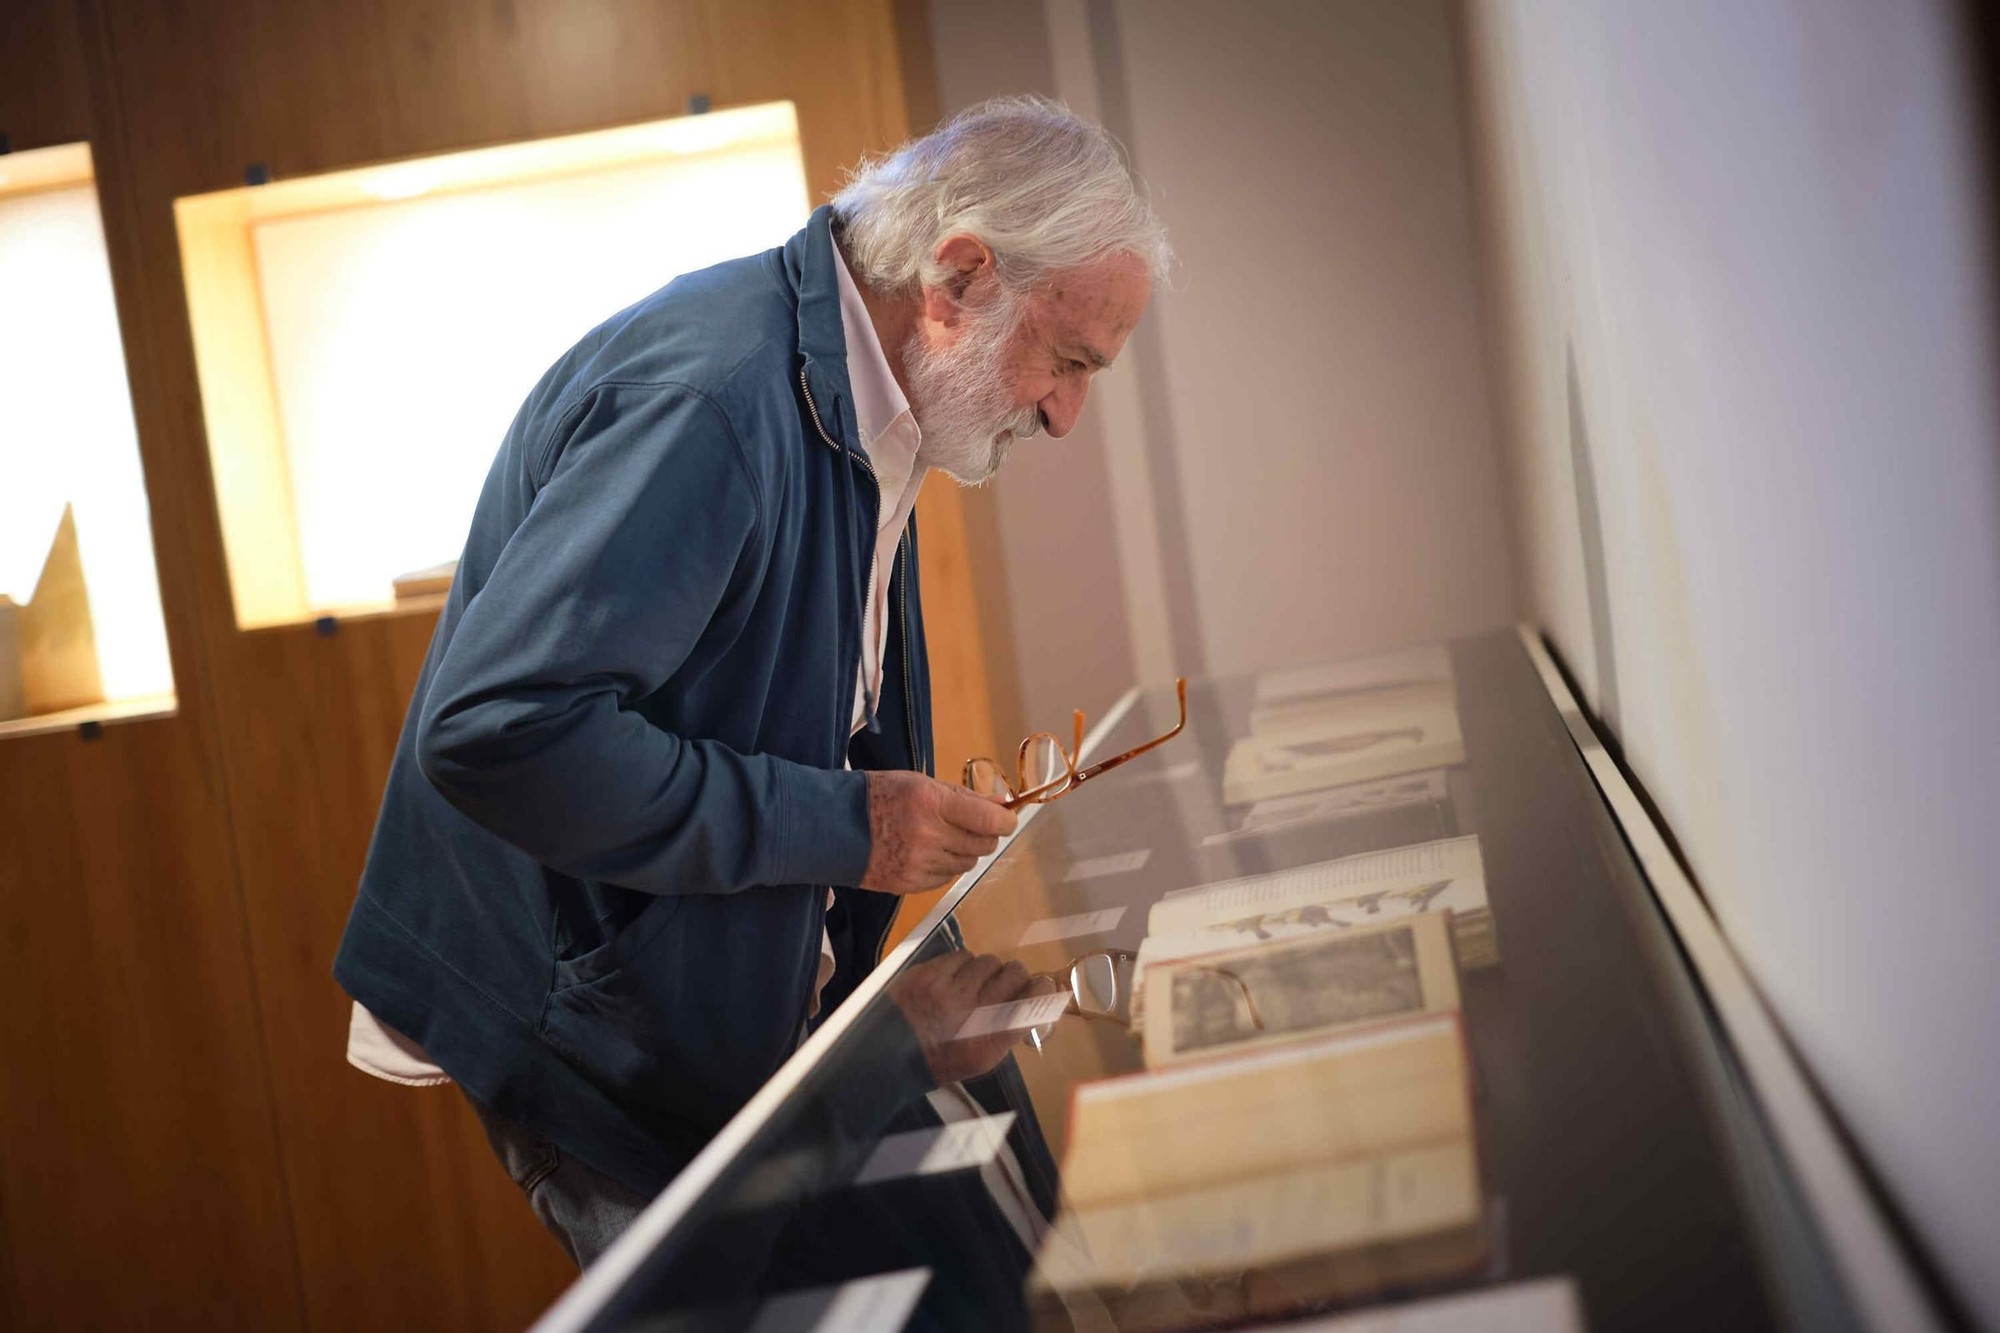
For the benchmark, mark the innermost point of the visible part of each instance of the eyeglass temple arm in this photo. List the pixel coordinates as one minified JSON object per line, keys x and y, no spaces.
{"x":1180,"y":688}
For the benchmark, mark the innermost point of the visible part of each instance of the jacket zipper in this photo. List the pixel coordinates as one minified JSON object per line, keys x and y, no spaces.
{"x":909,"y":702}
{"x":902,"y":549}
{"x":903,"y":602}
{"x":867,"y":467}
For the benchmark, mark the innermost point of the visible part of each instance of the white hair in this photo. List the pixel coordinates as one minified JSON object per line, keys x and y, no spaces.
{"x":1044,"y":189}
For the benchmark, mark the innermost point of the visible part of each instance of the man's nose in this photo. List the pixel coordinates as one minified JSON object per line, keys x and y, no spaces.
{"x":1062,"y":407}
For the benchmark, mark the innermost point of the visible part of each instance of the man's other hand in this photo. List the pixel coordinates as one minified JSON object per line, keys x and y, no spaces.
{"x":923,"y":832}
{"x":937,"y":997}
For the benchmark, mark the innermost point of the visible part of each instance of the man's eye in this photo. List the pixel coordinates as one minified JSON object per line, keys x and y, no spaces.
{"x":1074,"y":366}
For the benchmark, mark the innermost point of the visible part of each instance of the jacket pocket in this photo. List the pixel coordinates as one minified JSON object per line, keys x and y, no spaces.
{"x":628,"y":943}
{"x":695,"y":1012}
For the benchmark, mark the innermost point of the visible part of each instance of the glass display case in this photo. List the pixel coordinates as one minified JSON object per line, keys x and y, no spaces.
{"x":1352,"y":996}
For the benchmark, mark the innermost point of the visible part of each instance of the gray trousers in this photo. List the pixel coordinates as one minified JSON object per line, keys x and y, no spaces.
{"x":583,"y":1209}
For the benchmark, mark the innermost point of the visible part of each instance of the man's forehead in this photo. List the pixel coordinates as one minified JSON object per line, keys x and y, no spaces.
{"x":1098,"y":305}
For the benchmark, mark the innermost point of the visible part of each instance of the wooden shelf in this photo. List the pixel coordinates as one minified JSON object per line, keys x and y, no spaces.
{"x":118,"y":710}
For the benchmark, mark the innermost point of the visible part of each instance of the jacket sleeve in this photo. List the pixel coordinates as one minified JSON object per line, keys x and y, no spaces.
{"x":648,"y":518}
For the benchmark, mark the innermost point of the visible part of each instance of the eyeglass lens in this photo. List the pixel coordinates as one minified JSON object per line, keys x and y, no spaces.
{"x":984,"y":776}
{"x":1042,"y":762}
{"x":1101,"y":983}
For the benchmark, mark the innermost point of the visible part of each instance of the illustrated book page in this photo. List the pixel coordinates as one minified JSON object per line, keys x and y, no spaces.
{"x":1248,"y":999}
{"x":1353,"y":739}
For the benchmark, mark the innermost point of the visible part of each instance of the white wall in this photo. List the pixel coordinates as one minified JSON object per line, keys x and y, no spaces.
{"x":1748,"y":321}
{"x":1320,"y":379}
{"x":1295,"y":456}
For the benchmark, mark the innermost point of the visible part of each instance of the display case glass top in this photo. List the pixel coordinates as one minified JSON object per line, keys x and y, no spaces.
{"x":1349,"y":996}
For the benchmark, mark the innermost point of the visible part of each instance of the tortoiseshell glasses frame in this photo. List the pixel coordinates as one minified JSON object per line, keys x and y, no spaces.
{"x":1044,"y":769}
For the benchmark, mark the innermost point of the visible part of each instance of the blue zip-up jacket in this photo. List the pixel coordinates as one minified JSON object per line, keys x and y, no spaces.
{"x":596,"y":886}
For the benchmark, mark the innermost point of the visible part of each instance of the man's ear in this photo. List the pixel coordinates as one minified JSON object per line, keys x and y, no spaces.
{"x":965,"y":260}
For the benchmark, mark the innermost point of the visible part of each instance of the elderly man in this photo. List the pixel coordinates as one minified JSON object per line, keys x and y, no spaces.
{"x":664,"y":776}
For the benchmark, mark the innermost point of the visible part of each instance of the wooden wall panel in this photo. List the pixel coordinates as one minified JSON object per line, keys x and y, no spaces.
{"x":140,"y":1179}
{"x":140,"y":1175}
{"x":395,"y":1183}
{"x":44,"y":99}
{"x":215,"y":873}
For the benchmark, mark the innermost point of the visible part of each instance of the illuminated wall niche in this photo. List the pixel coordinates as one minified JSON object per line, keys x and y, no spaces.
{"x":364,"y":337}
{"x":82,"y":638}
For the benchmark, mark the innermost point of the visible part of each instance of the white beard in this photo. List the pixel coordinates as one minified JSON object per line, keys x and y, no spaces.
{"x":961,"y":398}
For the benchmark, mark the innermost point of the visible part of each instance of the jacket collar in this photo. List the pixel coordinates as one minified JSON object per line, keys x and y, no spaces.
{"x":811,"y":267}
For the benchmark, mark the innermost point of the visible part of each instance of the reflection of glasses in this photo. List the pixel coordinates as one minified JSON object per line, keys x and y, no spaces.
{"x":1099,"y":986}
{"x":1044,"y":770}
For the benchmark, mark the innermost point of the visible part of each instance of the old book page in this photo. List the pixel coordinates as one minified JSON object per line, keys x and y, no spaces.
{"x":1312,"y":742}
{"x":1204,"y":1124}
{"x":1248,"y":999}
{"x":1340,"y":1227}
{"x":1346,"y":879}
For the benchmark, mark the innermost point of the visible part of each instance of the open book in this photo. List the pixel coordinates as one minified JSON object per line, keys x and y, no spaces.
{"x":1318,"y":741}
{"x":1330,"y":896}
{"x":1257,"y":1185}
{"x":1248,"y":999}
{"x":1350,"y":800}
{"x":1291,"y":688}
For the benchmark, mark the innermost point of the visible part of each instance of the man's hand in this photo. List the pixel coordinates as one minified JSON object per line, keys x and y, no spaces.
{"x":923,"y":832}
{"x":938,"y":996}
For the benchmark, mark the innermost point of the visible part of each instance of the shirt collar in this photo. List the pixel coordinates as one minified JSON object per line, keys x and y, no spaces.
{"x":878,"y":400}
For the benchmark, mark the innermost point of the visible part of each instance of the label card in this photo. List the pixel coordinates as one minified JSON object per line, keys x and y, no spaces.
{"x":865,"y":1305}
{"x":1014,"y":1016}
{"x":1099,"y":866}
{"x":1064,"y":927}
{"x":933,"y":1151}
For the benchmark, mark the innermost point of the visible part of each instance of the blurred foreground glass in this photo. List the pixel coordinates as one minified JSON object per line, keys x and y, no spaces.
{"x":1044,"y":769}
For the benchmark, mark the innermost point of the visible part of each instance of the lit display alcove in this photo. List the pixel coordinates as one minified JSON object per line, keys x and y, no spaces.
{"x":364,"y":337}
{"x":82,"y":638}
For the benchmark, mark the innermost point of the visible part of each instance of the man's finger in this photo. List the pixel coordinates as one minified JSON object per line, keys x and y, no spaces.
{"x":978,"y":814}
{"x":1005,"y":984}
{"x":939,"y":867}
{"x":946,"y":967}
{"x":972,"y":978}
{"x":961,"y":843}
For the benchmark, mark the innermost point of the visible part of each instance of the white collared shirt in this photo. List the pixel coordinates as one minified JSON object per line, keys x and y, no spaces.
{"x":889,"y":438}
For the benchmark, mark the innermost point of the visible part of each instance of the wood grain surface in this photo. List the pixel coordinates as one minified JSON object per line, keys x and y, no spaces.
{"x":183,"y":1141}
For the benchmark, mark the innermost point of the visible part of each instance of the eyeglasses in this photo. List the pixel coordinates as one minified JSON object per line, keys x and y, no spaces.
{"x":1099,"y":986}
{"x":1045,"y":770}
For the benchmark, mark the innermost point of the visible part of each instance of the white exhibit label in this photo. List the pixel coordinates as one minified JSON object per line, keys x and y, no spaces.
{"x":1099,"y":866}
{"x":1014,"y":1016}
{"x":929,"y":1152}
{"x":865,"y":1305}
{"x":1067,"y":927}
